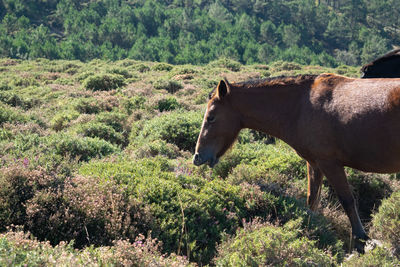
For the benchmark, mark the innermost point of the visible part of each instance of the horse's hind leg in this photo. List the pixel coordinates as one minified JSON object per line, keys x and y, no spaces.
{"x":337,"y":178}
{"x":314,"y":186}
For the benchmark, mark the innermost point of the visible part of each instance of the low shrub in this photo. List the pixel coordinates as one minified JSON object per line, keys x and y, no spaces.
{"x":116,"y":120}
{"x":84,"y":148}
{"x":87,"y":106}
{"x":171,"y":86}
{"x":386,"y":222}
{"x":226,"y":63}
{"x":61,"y":120}
{"x":121,"y":71}
{"x":268,"y":245}
{"x":193,"y":213}
{"x":174,"y":127}
{"x":8,"y":114}
{"x":376,"y":257}
{"x":102,"y":131}
{"x":134,"y":103}
{"x":20,"y":249}
{"x":103,"y":82}
{"x":80,"y":208}
{"x":141,"y":67}
{"x":162,"y":67}
{"x":168,"y":104}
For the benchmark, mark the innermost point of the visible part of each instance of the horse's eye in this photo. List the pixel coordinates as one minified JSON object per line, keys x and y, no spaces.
{"x":210,"y":119}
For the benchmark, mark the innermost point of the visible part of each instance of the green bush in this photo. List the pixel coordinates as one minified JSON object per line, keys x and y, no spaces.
{"x":176,"y":128}
{"x":10,"y":115}
{"x":193,"y":213}
{"x":61,"y":120}
{"x":168,"y":104}
{"x":134,"y":103}
{"x":226,"y":63}
{"x":116,"y":120}
{"x":267,"y":245}
{"x":141,"y":67}
{"x":103,"y":82}
{"x":87,"y":105}
{"x":162,"y":67}
{"x":171,"y":86}
{"x":84,"y":148}
{"x":386,"y":222}
{"x":121,"y":71}
{"x":101,"y":130}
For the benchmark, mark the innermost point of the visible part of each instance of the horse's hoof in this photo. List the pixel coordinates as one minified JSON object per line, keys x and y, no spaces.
{"x":371,"y":244}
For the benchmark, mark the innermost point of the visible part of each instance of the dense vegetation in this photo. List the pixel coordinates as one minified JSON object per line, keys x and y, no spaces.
{"x":321,"y":32}
{"x":96,"y":170}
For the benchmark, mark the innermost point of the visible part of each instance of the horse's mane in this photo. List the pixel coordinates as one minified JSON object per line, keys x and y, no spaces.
{"x":271,"y":81}
{"x":278,"y":80}
{"x":386,"y":57}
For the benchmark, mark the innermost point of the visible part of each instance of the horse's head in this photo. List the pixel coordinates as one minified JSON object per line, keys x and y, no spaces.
{"x":221,"y":126}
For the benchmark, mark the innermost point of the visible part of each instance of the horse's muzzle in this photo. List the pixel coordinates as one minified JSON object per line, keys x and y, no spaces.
{"x":199,"y":160}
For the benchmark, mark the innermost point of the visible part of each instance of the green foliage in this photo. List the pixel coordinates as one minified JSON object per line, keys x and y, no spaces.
{"x":168,"y":104}
{"x":8,"y":114}
{"x":61,"y":120}
{"x":386,"y":222}
{"x":322,"y":32}
{"x":171,"y":86}
{"x":103,"y":82}
{"x":102,"y":131}
{"x":376,"y":257}
{"x":84,"y":148}
{"x":172,"y":128}
{"x":267,"y":245}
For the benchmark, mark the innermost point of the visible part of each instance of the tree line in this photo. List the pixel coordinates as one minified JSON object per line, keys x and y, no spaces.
{"x":325,"y":32}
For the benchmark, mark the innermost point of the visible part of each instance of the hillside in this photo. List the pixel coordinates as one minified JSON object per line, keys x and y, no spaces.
{"x":327,"y":33}
{"x":96,"y":160}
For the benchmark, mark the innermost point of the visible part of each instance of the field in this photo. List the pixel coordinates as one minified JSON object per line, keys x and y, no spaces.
{"x":96,"y":171}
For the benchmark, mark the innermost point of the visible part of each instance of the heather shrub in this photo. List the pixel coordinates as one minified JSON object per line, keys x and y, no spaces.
{"x":171,"y":86}
{"x":180,"y":129}
{"x":86,"y":211}
{"x":103,"y":82}
{"x":193,"y":213}
{"x":84,"y":148}
{"x":168,"y":104}
{"x":87,"y":105}
{"x":379,"y":256}
{"x":18,"y":184}
{"x":268,"y":245}
{"x":386,"y":222}
{"x":19,"y":249}
{"x":102,"y":131}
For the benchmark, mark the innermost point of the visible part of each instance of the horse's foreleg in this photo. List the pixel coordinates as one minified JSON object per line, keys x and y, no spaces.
{"x":314,"y":186}
{"x":337,"y":178}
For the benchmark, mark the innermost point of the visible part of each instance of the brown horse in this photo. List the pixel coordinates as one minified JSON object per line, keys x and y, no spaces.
{"x":331,"y":121}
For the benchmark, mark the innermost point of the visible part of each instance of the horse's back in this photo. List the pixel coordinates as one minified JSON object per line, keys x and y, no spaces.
{"x":356,"y":120}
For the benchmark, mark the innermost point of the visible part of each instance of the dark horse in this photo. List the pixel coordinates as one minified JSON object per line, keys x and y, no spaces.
{"x":331,"y":121}
{"x":386,"y":66}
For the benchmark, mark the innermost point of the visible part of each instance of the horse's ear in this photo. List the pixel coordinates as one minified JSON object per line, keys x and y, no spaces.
{"x":222,"y":89}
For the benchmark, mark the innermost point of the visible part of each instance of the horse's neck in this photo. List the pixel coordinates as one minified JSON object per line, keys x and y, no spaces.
{"x":270,"y":110}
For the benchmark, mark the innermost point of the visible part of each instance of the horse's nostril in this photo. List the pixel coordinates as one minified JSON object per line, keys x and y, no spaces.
{"x":196,"y":158}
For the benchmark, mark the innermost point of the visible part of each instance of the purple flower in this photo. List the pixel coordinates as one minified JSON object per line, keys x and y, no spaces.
{"x":26,"y":162}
